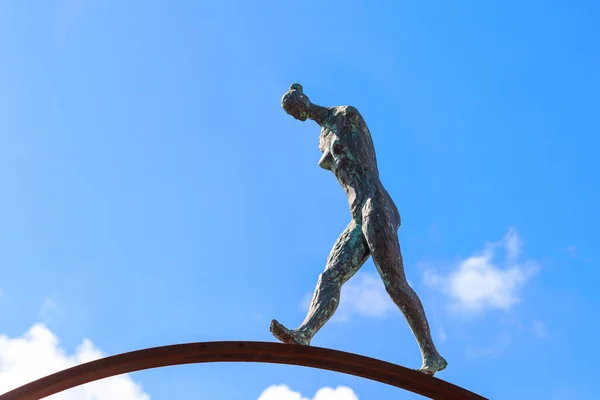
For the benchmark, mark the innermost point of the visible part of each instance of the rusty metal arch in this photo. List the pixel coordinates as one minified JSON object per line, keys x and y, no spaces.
{"x":265,"y":352}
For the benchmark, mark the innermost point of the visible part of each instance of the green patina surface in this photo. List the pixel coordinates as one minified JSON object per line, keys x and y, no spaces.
{"x":348,"y":152}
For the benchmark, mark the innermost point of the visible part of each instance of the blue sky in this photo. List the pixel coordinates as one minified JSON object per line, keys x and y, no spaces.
{"x":154,"y":192}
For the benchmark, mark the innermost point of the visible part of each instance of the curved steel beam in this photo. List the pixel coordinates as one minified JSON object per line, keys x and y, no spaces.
{"x":265,"y":352}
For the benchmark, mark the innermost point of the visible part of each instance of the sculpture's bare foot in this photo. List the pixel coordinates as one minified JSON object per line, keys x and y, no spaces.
{"x":288,"y":336}
{"x":433,"y":364}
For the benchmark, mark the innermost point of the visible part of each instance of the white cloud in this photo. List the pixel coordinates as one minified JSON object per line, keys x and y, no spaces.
{"x":477,"y":283}
{"x":37,"y":353}
{"x":363,"y":295}
{"x":283,"y":392}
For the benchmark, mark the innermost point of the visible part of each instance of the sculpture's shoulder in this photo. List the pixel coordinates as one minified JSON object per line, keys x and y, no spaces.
{"x":349,"y":111}
{"x":351,"y":116}
{"x":344,"y":115}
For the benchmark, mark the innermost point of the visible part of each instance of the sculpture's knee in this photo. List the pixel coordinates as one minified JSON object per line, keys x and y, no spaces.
{"x":330,"y":278}
{"x":398,"y":288}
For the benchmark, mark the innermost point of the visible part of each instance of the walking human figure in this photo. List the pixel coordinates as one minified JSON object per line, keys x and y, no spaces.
{"x":348,"y":151}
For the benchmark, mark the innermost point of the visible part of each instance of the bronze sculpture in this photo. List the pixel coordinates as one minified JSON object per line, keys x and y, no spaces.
{"x":348,"y":152}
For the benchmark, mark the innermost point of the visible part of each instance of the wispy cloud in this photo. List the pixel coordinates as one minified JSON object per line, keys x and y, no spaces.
{"x":573,"y":251}
{"x":512,"y":244}
{"x":494,"y":350}
{"x":442,"y":335}
{"x":37,"y":353}
{"x":478,"y":283}
{"x":364,"y":295}
{"x":49,"y":306}
{"x":538,"y":328}
{"x":283,"y":392}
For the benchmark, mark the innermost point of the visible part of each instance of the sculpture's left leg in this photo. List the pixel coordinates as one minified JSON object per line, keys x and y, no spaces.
{"x":347,"y":256}
{"x":380,"y":231}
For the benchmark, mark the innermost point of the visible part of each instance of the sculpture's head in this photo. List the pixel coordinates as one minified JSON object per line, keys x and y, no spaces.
{"x":296,"y":103}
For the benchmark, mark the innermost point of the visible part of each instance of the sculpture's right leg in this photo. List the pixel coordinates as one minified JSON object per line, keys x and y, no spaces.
{"x":347,"y":256}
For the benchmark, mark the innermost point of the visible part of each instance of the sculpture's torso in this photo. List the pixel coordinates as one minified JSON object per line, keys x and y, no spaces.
{"x":348,"y":152}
